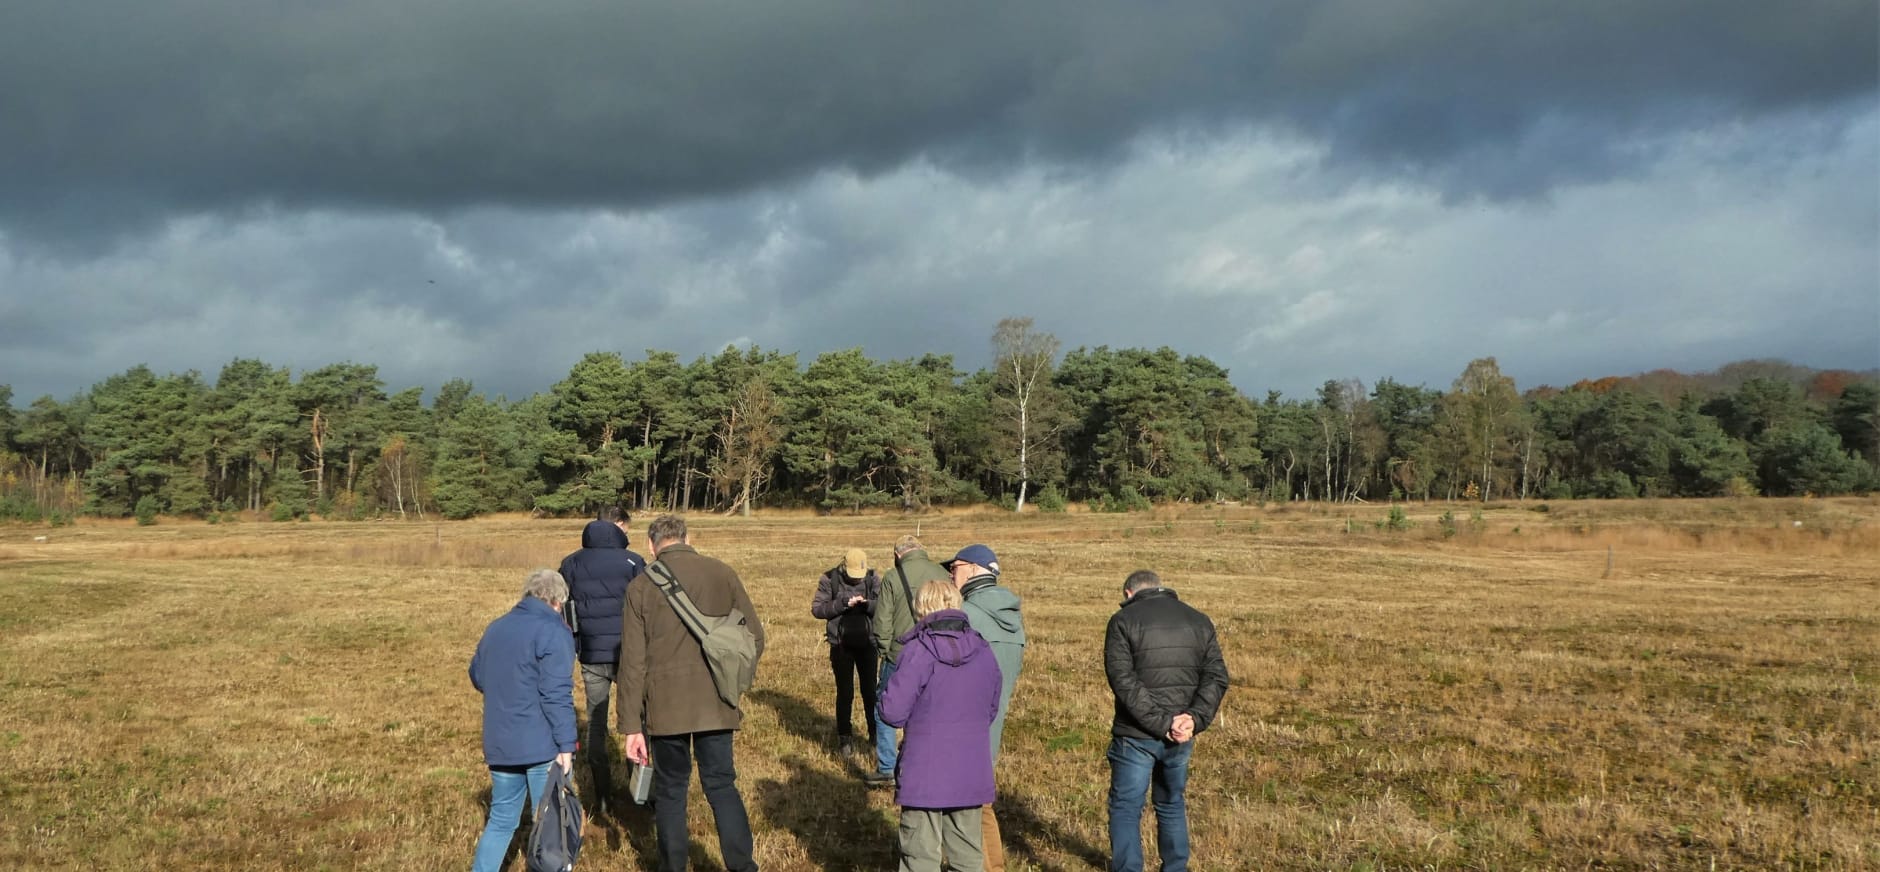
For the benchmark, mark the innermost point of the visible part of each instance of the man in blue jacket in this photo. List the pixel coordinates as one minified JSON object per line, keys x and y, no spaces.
{"x":524,"y":667}
{"x":597,"y":586}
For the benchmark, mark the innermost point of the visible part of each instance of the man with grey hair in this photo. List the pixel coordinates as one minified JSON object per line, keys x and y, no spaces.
{"x":1164,"y":664}
{"x":894,"y":617}
{"x":524,"y":667}
{"x":668,"y":706}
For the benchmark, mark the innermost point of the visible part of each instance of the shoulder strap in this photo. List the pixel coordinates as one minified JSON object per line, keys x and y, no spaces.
{"x":905,"y":590}
{"x":676,"y":595}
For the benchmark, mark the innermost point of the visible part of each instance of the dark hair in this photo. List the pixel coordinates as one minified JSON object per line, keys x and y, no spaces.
{"x":612,"y":514}
{"x":665,"y":529}
{"x":1141,"y":579}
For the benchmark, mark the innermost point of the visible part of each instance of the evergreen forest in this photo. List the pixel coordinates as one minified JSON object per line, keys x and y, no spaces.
{"x":1113,"y":429}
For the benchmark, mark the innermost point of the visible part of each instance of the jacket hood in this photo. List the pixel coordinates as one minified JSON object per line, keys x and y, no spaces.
{"x":603,"y":534}
{"x":947,"y":636}
{"x":996,"y":600}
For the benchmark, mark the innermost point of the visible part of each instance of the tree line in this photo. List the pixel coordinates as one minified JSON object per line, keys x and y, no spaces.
{"x":1114,"y":428}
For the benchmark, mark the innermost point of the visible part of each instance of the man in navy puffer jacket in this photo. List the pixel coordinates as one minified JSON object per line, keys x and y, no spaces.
{"x":597,"y":587}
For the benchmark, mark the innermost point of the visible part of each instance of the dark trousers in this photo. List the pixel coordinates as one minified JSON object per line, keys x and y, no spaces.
{"x":850,"y":661}
{"x":718,"y":775}
{"x":598,"y":678}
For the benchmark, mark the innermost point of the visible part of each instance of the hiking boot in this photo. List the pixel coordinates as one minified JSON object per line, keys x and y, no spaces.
{"x":878,"y":779}
{"x":845,"y":745}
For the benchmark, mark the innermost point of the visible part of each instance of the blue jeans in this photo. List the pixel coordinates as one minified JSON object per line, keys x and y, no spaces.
{"x":508,"y":787}
{"x":885,"y":754}
{"x":1136,"y":764}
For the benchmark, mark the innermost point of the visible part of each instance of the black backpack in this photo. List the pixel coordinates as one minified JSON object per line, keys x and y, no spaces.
{"x":555,"y":840}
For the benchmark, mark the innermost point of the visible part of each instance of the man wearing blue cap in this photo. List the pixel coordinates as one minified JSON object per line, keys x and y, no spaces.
{"x":992,"y":610}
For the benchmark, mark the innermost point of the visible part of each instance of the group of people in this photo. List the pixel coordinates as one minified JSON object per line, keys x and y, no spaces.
{"x":935,"y":647}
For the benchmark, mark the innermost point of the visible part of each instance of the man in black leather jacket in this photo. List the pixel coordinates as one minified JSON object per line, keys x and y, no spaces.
{"x":1165,"y":668}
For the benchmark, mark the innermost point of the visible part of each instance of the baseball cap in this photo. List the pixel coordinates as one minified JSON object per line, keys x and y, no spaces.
{"x":978,"y":555}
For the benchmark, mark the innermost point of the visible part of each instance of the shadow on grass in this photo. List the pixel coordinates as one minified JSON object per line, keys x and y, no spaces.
{"x":1029,"y":836}
{"x":831,"y":817}
{"x":803,"y":720}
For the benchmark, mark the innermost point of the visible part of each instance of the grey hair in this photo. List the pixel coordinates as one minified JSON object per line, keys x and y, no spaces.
{"x":546,"y":585}
{"x":1141,"y":579}
{"x":906,"y":544}
{"x":666,"y":529}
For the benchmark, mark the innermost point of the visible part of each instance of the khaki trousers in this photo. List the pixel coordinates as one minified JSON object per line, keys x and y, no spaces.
{"x":989,"y":839}
{"x":935,"y":839}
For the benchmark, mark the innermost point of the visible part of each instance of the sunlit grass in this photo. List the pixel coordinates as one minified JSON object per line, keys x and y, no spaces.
{"x":292,"y":696}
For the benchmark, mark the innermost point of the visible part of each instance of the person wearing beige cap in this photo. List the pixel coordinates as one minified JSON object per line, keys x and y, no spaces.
{"x":845,"y":600}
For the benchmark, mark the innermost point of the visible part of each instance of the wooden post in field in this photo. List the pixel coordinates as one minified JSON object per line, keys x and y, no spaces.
{"x":1608,"y":562}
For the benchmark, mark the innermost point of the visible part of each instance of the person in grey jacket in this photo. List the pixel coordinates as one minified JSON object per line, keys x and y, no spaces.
{"x":992,"y":609}
{"x":845,"y":600}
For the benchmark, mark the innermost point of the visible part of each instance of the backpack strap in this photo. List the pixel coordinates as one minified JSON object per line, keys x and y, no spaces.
{"x":905,"y":590}
{"x":681,"y":603}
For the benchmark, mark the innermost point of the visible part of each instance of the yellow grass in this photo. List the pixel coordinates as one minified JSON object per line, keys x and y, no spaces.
{"x":292,"y":696}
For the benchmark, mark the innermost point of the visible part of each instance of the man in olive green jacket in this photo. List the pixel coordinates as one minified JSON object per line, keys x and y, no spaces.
{"x":894,"y":616}
{"x":668,"y":705}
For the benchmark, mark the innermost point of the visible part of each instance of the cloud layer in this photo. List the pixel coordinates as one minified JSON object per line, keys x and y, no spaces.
{"x":1301,"y":189}
{"x":119,"y":109}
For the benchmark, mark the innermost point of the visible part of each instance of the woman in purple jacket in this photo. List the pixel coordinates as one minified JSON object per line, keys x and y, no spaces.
{"x":944,"y":694}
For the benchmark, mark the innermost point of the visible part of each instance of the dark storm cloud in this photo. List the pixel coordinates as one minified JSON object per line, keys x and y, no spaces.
{"x":121,"y":111}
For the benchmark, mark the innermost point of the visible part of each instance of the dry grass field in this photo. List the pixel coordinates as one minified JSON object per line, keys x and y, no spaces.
{"x":261,"y":696}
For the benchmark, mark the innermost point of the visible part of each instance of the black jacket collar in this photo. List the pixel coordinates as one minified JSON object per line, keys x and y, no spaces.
{"x":1150,"y":593}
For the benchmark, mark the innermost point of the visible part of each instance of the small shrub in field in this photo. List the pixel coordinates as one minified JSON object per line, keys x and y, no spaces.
{"x":1397,"y":520}
{"x":1051,"y":500}
{"x":1473,"y":492}
{"x":281,"y":512}
{"x":147,"y":510}
{"x":1448,"y":522}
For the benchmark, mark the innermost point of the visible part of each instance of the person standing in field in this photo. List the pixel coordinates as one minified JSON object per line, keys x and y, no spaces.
{"x":524,"y":667}
{"x":1165,"y":668}
{"x":945,"y":693}
{"x":669,"y":708}
{"x":597,"y":576}
{"x":894,"y":616}
{"x":993,"y":611}
{"x":845,"y":600}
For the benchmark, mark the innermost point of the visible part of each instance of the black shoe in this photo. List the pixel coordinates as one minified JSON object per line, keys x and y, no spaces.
{"x":845,"y":745}
{"x":878,"y":779}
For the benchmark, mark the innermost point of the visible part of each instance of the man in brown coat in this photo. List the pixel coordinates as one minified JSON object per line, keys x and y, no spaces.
{"x":668,"y":707}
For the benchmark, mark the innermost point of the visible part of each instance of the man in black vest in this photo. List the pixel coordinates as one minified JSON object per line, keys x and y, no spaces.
{"x":1164,"y":665}
{"x":597,"y":586}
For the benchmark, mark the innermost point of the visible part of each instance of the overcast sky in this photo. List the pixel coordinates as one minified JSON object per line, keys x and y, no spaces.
{"x":1299,"y":190}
